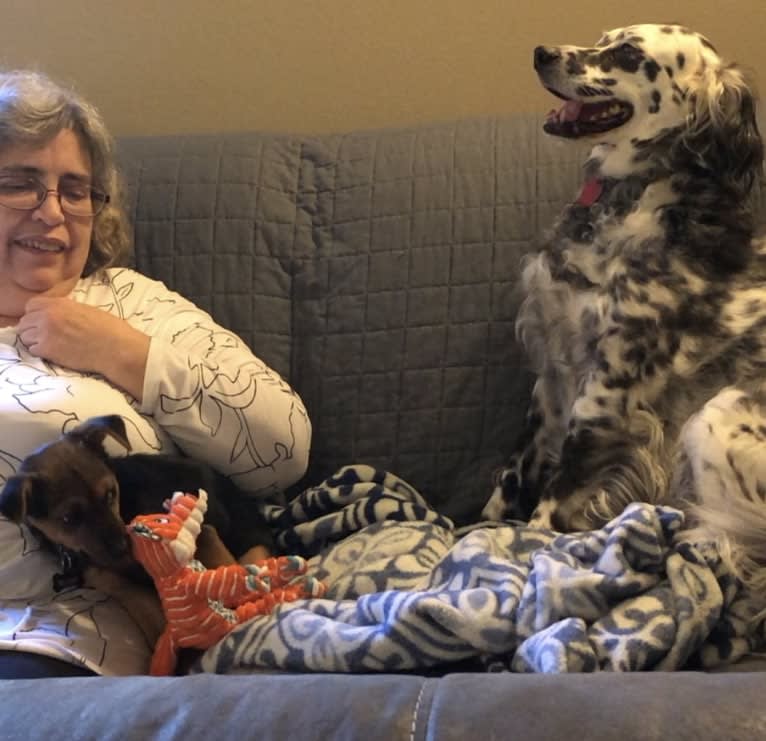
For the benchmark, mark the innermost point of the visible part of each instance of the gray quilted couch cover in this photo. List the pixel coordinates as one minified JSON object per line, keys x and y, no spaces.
{"x":376,"y":271}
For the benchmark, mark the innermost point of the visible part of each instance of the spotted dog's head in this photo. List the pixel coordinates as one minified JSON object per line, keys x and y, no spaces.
{"x":653,"y":84}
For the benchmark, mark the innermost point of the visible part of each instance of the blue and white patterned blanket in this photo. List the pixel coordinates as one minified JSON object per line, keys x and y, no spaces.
{"x":406,"y":591}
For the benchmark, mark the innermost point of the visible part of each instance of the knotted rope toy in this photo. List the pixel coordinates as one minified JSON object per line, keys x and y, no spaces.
{"x":202,"y":605}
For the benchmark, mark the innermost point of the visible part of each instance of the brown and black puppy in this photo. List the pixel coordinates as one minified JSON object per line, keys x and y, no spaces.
{"x":76,"y":496}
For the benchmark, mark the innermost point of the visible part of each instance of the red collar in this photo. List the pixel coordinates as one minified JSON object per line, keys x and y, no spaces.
{"x":590,"y":192}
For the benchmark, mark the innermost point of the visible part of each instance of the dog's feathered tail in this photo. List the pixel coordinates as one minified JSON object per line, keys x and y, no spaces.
{"x":723,"y":483}
{"x":737,"y":528}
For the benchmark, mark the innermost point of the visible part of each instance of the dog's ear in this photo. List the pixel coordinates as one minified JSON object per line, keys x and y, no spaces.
{"x":24,"y":495}
{"x":722,"y":135}
{"x":93,"y":431}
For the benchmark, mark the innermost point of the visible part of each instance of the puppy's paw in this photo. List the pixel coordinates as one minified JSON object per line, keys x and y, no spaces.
{"x":141,"y":603}
{"x":104,"y":580}
{"x":211,"y":550}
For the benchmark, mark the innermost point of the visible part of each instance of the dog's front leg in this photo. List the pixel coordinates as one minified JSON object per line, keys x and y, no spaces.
{"x":545,"y":329}
{"x":141,"y":602}
{"x":612,"y":451}
{"x":518,"y":485}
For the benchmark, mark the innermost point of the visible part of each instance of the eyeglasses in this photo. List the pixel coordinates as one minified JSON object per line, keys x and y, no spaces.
{"x":24,"y":193}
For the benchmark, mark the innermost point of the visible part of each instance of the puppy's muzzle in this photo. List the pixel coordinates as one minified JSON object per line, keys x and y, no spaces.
{"x":118,"y":549}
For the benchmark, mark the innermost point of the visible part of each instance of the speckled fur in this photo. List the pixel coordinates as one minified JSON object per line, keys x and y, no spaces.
{"x":644,"y":305}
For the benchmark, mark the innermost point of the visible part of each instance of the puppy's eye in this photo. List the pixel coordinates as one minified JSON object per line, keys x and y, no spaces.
{"x":110,"y":496}
{"x":72,"y":519}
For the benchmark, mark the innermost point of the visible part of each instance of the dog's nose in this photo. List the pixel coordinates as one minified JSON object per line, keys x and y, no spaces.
{"x":545,"y":56}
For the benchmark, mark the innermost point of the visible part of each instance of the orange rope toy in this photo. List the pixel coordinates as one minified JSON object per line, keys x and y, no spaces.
{"x":202,"y":605}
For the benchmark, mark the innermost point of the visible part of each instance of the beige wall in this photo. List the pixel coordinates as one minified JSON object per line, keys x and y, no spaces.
{"x":156,"y":66}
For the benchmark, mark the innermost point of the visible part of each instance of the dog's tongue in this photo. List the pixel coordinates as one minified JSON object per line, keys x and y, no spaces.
{"x":570,"y":111}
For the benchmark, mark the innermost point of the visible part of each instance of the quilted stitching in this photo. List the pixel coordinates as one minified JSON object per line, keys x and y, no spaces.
{"x":375,"y":270}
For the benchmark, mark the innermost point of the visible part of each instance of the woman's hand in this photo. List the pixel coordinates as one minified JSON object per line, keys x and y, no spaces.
{"x":85,"y":338}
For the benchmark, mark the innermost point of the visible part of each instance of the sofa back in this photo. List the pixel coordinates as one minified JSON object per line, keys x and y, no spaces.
{"x":375,"y":270}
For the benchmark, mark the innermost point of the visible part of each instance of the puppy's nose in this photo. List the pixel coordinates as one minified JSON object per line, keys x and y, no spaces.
{"x":545,"y":56}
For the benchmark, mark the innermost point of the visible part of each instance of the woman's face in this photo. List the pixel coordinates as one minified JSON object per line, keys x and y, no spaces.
{"x":42,"y":252}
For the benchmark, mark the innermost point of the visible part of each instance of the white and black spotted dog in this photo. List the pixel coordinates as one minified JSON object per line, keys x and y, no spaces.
{"x":649,"y":298}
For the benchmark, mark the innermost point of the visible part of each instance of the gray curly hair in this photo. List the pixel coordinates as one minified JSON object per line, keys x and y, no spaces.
{"x":33,"y":109}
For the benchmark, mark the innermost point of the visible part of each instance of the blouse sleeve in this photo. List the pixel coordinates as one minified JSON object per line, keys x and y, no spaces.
{"x":216,"y":399}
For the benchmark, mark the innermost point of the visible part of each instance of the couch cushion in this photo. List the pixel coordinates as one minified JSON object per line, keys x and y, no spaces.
{"x":263,"y":706}
{"x":642,"y":706}
{"x":638,"y":706}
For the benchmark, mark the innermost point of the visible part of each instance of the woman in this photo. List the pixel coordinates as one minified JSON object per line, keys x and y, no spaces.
{"x":80,"y":337}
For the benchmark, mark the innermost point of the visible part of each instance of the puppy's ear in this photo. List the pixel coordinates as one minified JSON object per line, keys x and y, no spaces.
{"x":93,"y":431}
{"x":722,"y":134}
{"x":24,"y":495}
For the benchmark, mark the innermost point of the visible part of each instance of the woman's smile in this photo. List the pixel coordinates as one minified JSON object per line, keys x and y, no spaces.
{"x":39,"y":244}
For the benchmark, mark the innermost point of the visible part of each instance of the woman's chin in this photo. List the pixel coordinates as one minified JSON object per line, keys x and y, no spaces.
{"x":37,"y":283}
{"x":36,"y":272}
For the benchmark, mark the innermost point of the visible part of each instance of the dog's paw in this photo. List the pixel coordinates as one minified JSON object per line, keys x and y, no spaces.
{"x":103,"y":580}
{"x":496,"y":507}
{"x":542,"y":517}
{"x":514,"y":497}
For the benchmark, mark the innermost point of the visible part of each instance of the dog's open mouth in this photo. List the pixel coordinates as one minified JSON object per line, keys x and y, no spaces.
{"x":575,"y":118}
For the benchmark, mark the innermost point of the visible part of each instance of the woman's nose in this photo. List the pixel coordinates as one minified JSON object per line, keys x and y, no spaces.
{"x":50,"y":209}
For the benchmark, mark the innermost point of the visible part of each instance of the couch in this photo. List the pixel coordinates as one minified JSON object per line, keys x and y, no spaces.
{"x":376,"y":271}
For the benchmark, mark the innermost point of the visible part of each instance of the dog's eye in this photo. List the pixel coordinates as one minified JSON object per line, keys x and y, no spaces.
{"x":626,"y":56}
{"x":110,"y":496}
{"x":72,"y":519}
{"x":628,"y":51}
